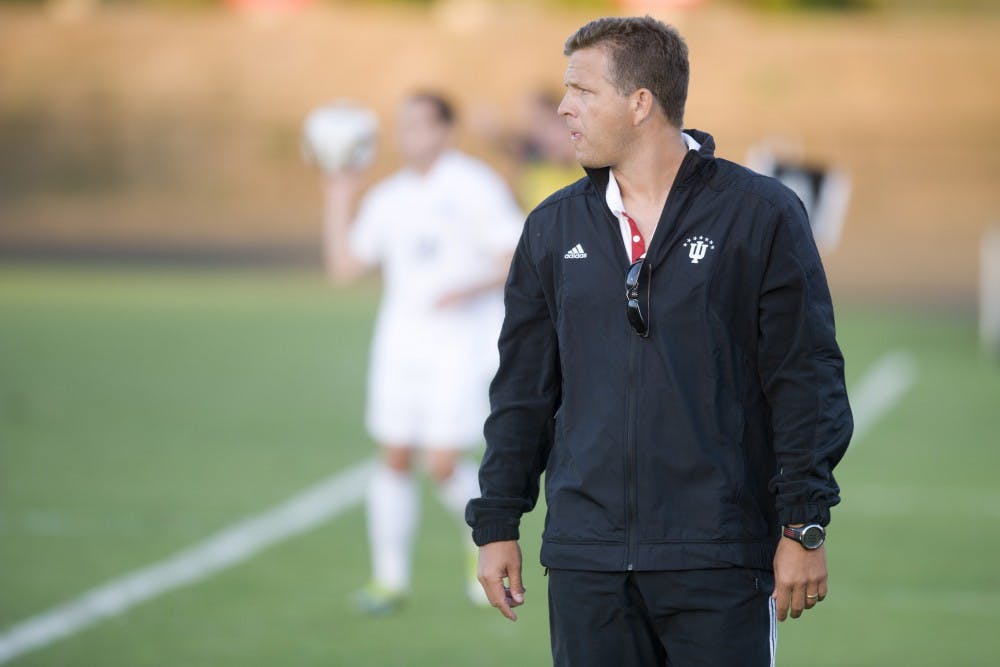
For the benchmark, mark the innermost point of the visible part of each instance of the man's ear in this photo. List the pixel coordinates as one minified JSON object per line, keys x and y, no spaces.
{"x":642,"y":104}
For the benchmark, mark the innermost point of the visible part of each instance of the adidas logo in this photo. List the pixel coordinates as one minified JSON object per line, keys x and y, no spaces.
{"x":576,"y":252}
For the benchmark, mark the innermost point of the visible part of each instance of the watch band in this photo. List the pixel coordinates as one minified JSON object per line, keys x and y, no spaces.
{"x":792,"y":533}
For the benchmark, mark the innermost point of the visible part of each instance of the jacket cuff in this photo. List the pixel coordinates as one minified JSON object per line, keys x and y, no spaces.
{"x":808,"y":513}
{"x":497,"y":532}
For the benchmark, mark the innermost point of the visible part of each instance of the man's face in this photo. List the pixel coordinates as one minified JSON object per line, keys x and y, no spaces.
{"x":596,"y":114}
{"x":421,"y":134}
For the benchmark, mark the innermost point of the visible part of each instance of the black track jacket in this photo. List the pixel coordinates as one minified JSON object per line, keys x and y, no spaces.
{"x":686,"y":449}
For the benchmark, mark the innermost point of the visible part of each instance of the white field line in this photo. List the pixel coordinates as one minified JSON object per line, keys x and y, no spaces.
{"x":880,"y":389}
{"x":878,"y":392}
{"x":228,"y":547}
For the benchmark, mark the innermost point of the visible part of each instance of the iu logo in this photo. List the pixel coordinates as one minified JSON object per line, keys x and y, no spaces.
{"x":698,"y":247}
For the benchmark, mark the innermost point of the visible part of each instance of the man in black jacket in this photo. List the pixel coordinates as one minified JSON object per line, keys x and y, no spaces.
{"x":668,"y":360}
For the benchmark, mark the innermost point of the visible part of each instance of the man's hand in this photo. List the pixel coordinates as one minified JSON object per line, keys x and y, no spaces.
{"x":799,"y":578}
{"x":499,"y":560}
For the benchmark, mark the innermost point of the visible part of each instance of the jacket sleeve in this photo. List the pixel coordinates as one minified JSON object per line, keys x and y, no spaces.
{"x":524,"y":395}
{"x":802,"y":373}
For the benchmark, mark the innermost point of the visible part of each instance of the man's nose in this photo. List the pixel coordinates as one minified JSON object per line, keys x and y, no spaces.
{"x":563,"y":108}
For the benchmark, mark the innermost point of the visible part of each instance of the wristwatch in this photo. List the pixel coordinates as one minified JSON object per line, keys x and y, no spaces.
{"x":810,"y":536}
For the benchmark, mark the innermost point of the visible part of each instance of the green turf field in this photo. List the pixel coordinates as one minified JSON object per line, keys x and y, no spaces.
{"x":142,"y":410}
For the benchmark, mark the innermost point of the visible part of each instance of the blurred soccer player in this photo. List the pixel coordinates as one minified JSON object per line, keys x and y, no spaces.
{"x":547,"y":161}
{"x":442,"y":229}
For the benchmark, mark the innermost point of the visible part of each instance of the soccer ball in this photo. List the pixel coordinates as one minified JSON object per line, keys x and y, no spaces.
{"x":341,"y":136}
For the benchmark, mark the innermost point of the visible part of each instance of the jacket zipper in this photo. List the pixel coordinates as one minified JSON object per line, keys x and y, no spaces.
{"x":631,"y":501}
{"x":631,"y":425}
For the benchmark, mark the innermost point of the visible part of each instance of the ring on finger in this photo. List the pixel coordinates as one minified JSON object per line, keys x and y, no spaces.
{"x":812,"y":597}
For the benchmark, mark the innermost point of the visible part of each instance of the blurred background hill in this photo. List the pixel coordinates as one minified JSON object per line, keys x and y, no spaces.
{"x":171,"y":129}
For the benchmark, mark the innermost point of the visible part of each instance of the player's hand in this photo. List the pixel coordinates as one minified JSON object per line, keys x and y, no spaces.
{"x":343,"y":184}
{"x":499,"y":561}
{"x":455,"y":299}
{"x":800,"y":578}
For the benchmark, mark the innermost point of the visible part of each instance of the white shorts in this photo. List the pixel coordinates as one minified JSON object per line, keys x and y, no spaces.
{"x":437,"y":400}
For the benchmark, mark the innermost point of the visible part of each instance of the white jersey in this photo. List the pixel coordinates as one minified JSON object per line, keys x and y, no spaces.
{"x":435,"y":234}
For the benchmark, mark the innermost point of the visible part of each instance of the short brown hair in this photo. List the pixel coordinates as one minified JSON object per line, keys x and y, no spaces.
{"x":442,"y":107}
{"x":643,"y":53}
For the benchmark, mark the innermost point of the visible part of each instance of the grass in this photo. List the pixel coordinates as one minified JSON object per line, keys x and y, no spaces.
{"x":142,"y":409}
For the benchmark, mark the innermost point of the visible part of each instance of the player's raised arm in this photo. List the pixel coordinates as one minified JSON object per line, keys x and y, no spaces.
{"x":340,"y":139}
{"x":340,"y":193}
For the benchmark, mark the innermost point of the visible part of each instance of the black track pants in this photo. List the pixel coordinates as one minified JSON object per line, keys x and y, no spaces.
{"x":710,"y":618}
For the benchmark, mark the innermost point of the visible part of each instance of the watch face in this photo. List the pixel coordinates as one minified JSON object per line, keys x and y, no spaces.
{"x":812,"y":537}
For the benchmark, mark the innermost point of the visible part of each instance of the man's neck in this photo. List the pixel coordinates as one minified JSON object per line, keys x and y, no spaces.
{"x":425,"y":166}
{"x":646,"y":177}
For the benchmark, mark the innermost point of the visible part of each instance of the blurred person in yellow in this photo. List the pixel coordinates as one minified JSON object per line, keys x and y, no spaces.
{"x":442,"y":230}
{"x":544,"y":154}
{"x":668,"y":359}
